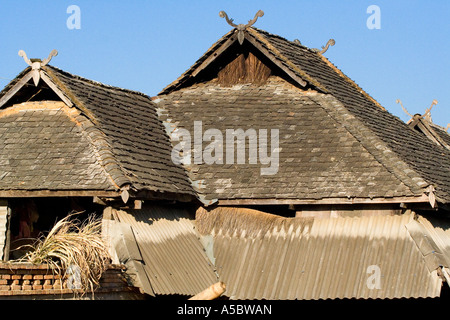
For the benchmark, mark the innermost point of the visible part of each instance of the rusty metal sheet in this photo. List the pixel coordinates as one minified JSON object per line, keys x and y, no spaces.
{"x":323,"y":259}
{"x":438,"y":228}
{"x":174,"y":257}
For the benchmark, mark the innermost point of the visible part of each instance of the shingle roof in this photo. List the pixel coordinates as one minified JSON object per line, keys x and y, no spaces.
{"x":429,"y":162}
{"x":442,"y":133}
{"x":419,"y":159}
{"x":319,"y":157}
{"x":44,"y":146}
{"x":135,"y":150}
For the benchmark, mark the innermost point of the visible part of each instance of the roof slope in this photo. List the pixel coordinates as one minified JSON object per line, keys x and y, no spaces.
{"x":431,"y":163}
{"x":135,"y":148}
{"x":319,"y":157}
{"x":263,"y":256}
{"x":45,"y":146}
{"x":173,"y":257}
{"x":423,"y":161}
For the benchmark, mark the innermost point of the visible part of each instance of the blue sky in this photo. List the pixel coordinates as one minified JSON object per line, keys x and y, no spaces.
{"x":145,"y":45}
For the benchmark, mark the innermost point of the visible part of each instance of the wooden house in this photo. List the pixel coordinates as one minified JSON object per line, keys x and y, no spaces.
{"x":332,"y":197}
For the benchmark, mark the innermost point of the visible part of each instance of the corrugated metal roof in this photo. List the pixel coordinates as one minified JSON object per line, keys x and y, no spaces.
{"x":438,"y":228}
{"x":316,"y":259}
{"x":175,"y":260}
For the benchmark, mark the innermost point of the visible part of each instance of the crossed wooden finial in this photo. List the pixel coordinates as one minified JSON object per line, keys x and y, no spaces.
{"x":36,"y":65}
{"x":404,"y":109}
{"x":426,"y":115}
{"x":241,"y":27}
{"x":330,"y":42}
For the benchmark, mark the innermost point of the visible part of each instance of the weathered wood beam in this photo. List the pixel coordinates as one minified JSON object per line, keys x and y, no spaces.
{"x":214,"y":55}
{"x":277,"y":62}
{"x":154,"y":195}
{"x":211,"y":293}
{"x":15,"y":88}
{"x":58,"y":92}
{"x":419,"y":199}
{"x":56,"y":193}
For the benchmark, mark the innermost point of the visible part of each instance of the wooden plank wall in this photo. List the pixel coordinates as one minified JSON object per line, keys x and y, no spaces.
{"x":3,"y":226}
{"x":246,"y":68}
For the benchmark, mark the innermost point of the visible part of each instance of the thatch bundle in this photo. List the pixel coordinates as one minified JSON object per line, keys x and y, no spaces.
{"x":73,"y":245}
{"x":244,"y":222}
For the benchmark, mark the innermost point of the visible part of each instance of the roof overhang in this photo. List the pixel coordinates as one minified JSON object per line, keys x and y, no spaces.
{"x":328,"y":201}
{"x":57,"y":193}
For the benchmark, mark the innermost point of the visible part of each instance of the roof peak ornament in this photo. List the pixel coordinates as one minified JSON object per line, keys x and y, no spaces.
{"x":427,"y":113}
{"x":404,"y":109}
{"x":241,"y":27}
{"x":330,"y":42}
{"x":36,"y":64}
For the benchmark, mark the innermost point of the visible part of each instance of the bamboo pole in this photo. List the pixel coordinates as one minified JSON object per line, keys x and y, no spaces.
{"x":210,"y":293}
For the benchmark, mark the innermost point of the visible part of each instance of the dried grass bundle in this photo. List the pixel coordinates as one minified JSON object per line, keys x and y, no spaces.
{"x":244,"y":222}
{"x":72,"y":244}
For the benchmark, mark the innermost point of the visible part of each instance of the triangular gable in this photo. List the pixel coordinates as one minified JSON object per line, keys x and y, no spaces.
{"x":131,"y":145}
{"x":309,"y":69}
{"x":26,"y":87}
{"x":260,"y":42}
{"x":226,"y":44}
{"x":433,"y":132}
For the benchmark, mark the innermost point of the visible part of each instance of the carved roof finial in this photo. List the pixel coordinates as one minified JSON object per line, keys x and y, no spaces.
{"x":427,"y":114}
{"x":36,"y":64}
{"x":241,"y":27}
{"x":404,"y":109}
{"x":330,"y":42}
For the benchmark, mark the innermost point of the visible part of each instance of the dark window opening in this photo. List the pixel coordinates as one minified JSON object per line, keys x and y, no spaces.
{"x":32,"y":218}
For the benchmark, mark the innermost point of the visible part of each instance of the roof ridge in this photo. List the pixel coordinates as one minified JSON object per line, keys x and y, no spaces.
{"x":103,"y":151}
{"x":283,"y":38}
{"x":97,"y":83}
{"x":14,"y":81}
{"x":351,"y":81}
{"x":360,"y":104}
{"x":308,"y":78}
{"x":336,"y":69}
{"x":198,"y":62}
{"x":54,"y":78}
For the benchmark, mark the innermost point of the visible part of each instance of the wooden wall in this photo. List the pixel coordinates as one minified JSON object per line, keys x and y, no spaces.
{"x":245,"y":68}
{"x":3,"y":227}
{"x":330,"y":211}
